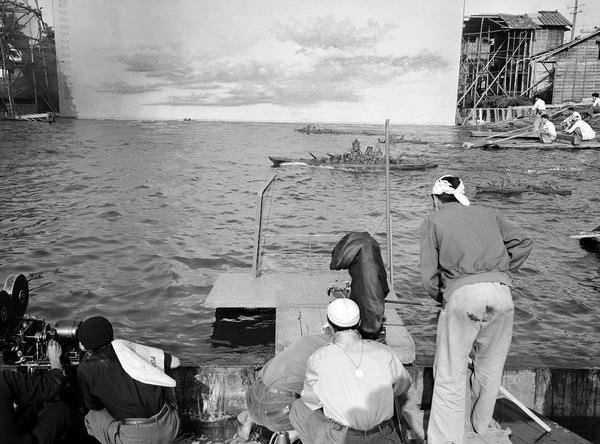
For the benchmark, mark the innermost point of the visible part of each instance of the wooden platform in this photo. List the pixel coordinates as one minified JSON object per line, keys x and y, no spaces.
{"x":273,"y":290}
{"x":526,"y":431}
{"x":526,"y":145}
{"x":300,"y":302}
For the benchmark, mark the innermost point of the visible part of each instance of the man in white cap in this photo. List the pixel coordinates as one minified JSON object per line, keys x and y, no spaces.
{"x":581,"y":130}
{"x":466,"y":255}
{"x":350,"y":385}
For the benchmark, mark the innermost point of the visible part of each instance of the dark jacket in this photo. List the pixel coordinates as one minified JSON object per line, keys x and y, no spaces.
{"x":462,"y":245}
{"x":360,"y":254}
{"x":104,"y":384}
{"x":24,"y":389}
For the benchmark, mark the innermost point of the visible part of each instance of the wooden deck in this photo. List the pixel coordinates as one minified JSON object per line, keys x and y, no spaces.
{"x":300,"y":303}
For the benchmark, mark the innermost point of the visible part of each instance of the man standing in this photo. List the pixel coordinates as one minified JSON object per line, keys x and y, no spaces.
{"x":123,"y":409}
{"x":538,"y":108}
{"x":466,"y":255}
{"x":547,"y":130}
{"x":350,"y":385}
{"x":39,"y":418}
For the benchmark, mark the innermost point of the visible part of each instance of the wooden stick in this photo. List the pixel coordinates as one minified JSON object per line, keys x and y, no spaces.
{"x":585,"y":235}
{"x":507,"y":132}
{"x":514,"y":136}
{"x":528,"y":412}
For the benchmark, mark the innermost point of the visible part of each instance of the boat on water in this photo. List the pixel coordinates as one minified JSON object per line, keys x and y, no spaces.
{"x":517,"y":190}
{"x":394,"y":139}
{"x":338,"y":161}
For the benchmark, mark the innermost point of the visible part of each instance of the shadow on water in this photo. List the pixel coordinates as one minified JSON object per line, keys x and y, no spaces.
{"x":243,"y":327}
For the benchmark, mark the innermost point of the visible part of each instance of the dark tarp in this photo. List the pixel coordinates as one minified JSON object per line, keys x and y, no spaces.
{"x":360,"y":254}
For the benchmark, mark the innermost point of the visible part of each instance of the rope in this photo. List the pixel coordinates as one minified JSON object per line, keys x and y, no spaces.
{"x":273,"y":438}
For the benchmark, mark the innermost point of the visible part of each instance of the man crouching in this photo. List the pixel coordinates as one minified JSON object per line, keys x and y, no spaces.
{"x":350,"y":385}
{"x":129,"y":402}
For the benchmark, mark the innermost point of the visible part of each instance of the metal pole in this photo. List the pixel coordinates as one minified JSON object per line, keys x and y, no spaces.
{"x":387,"y":205}
{"x":574,"y":20}
{"x":257,"y":254}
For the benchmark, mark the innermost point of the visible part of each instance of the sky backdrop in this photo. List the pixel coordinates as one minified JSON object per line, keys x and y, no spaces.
{"x":358,"y":61}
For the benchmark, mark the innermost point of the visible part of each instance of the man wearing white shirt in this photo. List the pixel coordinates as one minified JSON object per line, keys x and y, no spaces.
{"x":581,"y":130}
{"x":547,"y":130}
{"x":350,"y":385}
{"x":539,"y":107}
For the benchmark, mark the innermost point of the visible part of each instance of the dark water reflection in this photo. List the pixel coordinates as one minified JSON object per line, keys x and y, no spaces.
{"x":135,"y":220}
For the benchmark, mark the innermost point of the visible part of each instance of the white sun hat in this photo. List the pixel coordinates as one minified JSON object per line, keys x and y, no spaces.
{"x":343,"y":312}
{"x":442,"y":186}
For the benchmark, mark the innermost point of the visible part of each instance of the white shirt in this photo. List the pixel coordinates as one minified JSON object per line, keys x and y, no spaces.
{"x":587,"y":133}
{"x":332,"y":381}
{"x":539,"y":105}
{"x":596,"y":102}
{"x":549,"y":128}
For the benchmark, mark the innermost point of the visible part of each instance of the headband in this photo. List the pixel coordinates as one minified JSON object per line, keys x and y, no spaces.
{"x":442,"y":186}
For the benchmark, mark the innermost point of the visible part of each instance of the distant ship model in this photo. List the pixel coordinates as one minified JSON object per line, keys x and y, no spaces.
{"x":510,"y":189}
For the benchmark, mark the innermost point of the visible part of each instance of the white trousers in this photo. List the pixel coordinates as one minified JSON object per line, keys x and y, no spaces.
{"x":476,"y":322}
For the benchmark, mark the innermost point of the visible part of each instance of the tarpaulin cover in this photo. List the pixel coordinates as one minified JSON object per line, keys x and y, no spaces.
{"x":360,"y":254}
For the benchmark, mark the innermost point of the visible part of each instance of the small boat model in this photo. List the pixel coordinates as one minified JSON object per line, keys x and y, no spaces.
{"x":361,"y":164}
{"x":402,"y":139}
{"x":520,"y":189}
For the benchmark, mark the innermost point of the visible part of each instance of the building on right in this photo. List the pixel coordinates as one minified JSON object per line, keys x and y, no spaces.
{"x":574,"y":68}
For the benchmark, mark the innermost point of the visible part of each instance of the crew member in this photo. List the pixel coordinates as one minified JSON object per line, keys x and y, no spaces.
{"x":539,"y":107}
{"x":350,"y":385}
{"x":581,"y":130}
{"x":39,"y":417}
{"x":466,"y":255}
{"x":571,"y":119}
{"x":278,"y":384}
{"x":122,"y":409}
{"x":547,"y":130}
{"x":595,"y":108}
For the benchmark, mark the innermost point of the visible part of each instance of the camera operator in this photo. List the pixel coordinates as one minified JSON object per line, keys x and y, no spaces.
{"x":125,"y":405}
{"x":30,"y":412}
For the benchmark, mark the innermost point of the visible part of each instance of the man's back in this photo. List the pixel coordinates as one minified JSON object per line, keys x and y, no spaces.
{"x":466,"y":244}
{"x":359,"y":400}
{"x":104,"y":384}
{"x":287,"y":369}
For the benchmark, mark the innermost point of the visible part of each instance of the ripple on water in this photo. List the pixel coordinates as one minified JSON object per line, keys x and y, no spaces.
{"x":143,"y":242}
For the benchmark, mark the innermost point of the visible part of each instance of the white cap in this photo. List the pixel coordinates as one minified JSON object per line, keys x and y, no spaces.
{"x":442,"y":186}
{"x":576,"y":115}
{"x":343,"y":312}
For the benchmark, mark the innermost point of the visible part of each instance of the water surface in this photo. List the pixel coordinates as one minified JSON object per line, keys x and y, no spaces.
{"x":135,"y":220}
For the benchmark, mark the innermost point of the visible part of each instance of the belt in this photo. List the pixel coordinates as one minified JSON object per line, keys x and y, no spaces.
{"x":275,"y":391}
{"x":155,"y":418}
{"x":378,"y":428}
{"x":283,"y":392}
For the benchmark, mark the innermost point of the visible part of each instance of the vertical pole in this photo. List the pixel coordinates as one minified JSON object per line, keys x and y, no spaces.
{"x":35,"y":94}
{"x":388,"y":216}
{"x":574,"y":20}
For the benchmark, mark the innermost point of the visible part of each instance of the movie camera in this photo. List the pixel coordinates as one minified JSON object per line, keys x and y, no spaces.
{"x":24,"y":338}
